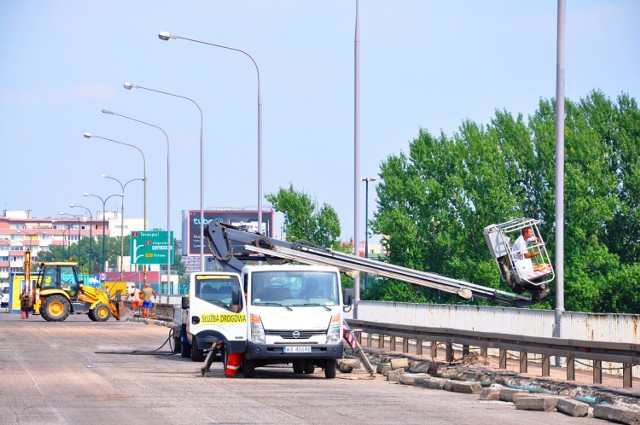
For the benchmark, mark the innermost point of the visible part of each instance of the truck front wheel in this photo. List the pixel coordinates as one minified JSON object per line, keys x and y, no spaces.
{"x":330,"y":368}
{"x":248,"y":368}
{"x":197,"y":354}
{"x":55,"y":308}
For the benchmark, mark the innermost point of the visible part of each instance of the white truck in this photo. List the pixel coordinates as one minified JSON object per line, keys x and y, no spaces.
{"x":256,"y":315}
{"x":279,"y":314}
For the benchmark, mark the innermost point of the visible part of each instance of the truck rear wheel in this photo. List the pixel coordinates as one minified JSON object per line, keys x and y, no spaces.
{"x":298,"y":368}
{"x":55,"y":308}
{"x":185,"y":350}
{"x":309,"y":367}
{"x":101,"y":312}
{"x":330,"y":368}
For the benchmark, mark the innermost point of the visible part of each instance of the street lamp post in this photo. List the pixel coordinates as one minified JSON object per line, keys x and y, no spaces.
{"x":169,"y":239}
{"x":130,"y":86}
{"x":122,"y":186}
{"x":366,"y":181}
{"x":90,"y":231}
{"x":164,"y":35}
{"x":77,"y":217}
{"x":144,"y":169}
{"x":104,"y":202}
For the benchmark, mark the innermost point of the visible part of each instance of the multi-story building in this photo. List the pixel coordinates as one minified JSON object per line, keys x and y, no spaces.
{"x":19,"y":231}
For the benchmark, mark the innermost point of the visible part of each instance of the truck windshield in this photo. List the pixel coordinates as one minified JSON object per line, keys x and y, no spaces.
{"x":295,"y":288}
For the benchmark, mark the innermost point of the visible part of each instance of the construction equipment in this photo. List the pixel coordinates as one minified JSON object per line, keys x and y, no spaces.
{"x":522,"y":269}
{"x":59,"y":293}
{"x":232,"y":247}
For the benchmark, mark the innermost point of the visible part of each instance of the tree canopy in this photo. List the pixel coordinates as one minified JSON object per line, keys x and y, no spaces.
{"x":434,"y":202}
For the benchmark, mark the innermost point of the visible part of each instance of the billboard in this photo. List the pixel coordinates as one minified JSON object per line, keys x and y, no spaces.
{"x":247,"y":219}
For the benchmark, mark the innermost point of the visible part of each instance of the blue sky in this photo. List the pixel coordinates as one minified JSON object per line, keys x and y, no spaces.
{"x":423,"y":64}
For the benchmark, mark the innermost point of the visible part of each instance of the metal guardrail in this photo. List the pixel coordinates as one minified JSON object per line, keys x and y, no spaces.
{"x":628,"y":354}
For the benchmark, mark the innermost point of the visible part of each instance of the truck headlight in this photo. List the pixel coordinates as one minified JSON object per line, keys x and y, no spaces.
{"x":257,"y":330}
{"x":334,"y":334}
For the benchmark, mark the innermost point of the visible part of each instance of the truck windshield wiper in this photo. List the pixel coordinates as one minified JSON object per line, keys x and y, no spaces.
{"x":314,"y":305}
{"x":273,"y":303}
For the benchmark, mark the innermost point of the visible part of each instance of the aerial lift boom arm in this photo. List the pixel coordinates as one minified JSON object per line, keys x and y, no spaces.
{"x":231,"y":246}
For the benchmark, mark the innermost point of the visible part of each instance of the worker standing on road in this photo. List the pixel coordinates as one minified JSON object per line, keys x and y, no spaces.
{"x":26,"y":303}
{"x":149,"y":295}
{"x":134,"y":297}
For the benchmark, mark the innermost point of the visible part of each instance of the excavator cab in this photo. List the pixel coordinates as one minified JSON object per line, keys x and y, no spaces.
{"x":521,"y":256}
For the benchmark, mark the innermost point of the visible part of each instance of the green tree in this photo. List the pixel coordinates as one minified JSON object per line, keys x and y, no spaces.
{"x":435,"y":200}
{"x":305,"y":220}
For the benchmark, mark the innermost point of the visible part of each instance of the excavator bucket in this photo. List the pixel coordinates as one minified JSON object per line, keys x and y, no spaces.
{"x":117,"y":309}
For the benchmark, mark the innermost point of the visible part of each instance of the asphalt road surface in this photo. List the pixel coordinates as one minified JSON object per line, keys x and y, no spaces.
{"x":119,"y":372}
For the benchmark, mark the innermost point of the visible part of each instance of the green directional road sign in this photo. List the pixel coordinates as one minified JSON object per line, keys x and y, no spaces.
{"x":150,"y":247}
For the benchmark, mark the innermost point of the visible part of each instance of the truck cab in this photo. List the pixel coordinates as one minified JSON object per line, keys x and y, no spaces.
{"x":295,"y":317}
{"x":267,"y":314}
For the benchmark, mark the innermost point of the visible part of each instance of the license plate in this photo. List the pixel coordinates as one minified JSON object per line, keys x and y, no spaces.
{"x":297,"y":349}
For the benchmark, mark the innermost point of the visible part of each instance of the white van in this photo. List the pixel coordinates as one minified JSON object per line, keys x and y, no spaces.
{"x":4,"y":303}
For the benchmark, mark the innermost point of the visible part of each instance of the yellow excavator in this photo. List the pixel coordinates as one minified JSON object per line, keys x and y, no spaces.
{"x":59,"y":293}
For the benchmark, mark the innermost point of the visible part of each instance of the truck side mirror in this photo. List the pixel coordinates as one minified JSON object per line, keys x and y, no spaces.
{"x":185,"y":302}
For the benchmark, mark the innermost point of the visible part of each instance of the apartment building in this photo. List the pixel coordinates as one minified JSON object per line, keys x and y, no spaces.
{"x":19,"y":231}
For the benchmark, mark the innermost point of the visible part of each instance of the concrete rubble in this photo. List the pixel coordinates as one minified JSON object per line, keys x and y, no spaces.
{"x":526,"y":393}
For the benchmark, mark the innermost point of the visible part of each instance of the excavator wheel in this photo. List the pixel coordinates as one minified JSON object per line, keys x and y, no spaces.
{"x":101,"y":312}
{"x":55,"y":308}
{"x":92,"y":316}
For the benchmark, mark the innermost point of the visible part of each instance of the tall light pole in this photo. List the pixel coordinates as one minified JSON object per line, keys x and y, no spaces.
{"x":356,"y":156}
{"x":122,"y":186}
{"x":169,"y":239}
{"x":130,"y":86}
{"x":144,"y":167}
{"x":366,"y":181}
{"x":77,"y":217}
{"x":164,"y":35}
{"x":90,"y":231}
{"x":104,"y":202}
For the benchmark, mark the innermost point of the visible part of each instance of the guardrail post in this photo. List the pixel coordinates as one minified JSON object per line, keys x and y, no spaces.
{"x":546,"y":365}
{"x":419,"y":347}
{"x":503,"y":358}
{"x":465,"y":350}
{"x":434,"y":350}
{"x":449,"y":352}
{"x":380,"y":341}
{"x":369,"y":340}
{"x":597,"y":371}
{"x":571,"y":369}
{"x":523,"y":362}
{"x":627,"y":375}
{"x":405,"y":345}
{"x":392,"y":343}
{"x":483,"y":352}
